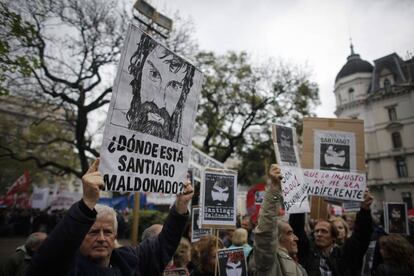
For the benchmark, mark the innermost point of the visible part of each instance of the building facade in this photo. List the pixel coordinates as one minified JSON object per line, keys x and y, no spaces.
{"x":382,"y":95}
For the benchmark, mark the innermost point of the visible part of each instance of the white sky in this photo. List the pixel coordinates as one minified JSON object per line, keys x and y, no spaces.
{"x":314,"y":33}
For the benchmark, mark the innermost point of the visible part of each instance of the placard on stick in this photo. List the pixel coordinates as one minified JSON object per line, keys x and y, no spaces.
{"x":336,"y":148}
{"x":218,"y":198}
{"x":147,"y":139}
{"x":232,"y":262}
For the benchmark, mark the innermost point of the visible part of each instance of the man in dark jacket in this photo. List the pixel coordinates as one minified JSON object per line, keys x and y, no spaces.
{"x":323,"y":257}
{"x":83,"y":242}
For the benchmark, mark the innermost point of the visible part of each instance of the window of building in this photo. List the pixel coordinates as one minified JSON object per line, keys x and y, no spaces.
{"x":396,"y":140}
{"x":406,"y":197}
{"x":351,"y":94}
{"x":401,"y":166}
{"x":387,"y":85}
{"x":392,"y":113}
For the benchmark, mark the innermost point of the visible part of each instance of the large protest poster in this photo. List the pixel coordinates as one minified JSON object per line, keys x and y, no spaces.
{"x":147,"y":138}
{"x":196,"y":229}
{"x":294,"y":187}
{"x":218,"y":198}
{"x":317,"y":127}
{"x":396,"y":218}
{"x":232,"y":262}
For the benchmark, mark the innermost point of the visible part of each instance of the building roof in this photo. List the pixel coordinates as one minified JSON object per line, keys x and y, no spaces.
{"x":354,"y":65}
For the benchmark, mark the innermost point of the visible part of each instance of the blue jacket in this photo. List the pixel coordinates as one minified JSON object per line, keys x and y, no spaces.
{"x":59,"y":254}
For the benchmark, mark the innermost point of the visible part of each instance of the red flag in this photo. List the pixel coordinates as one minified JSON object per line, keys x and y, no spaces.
{"x":21,"y":184}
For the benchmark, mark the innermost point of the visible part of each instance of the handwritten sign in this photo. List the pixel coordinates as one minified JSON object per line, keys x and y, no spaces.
{"x":294,"y":190}
{"x":336,"y":184}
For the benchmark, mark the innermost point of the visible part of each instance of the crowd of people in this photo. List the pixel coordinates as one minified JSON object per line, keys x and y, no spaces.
{"x":85,"y":242}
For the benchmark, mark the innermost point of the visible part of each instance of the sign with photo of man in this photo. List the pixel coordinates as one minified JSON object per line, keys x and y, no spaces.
{"x":218,"y":198}
{"x":196,"y":229}
{"x":147,"y":138}
{"x":232,"y":262}
{"x":284,"y":139}
{"x":395,"y":218}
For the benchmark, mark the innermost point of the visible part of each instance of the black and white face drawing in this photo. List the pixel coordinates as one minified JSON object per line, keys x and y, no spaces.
{"x":335,"y":157}
{"x":284,"y":139}
{"x":160,"y":85}
{"x":234,"y":269}
{"x":219,"y":191}
{"x":397,"y":218}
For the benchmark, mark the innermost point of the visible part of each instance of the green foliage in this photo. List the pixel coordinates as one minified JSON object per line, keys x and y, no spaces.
{"x":12,"y":59}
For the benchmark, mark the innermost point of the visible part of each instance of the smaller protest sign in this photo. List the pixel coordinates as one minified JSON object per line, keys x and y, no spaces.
{"x":232,"y":262}
{"x":336,"y":184}
{"x":65,"y":200}
{"x":395,"y":217}
{"x":40,"y":197}
{"x":351,"y":206}
{"x":218,"y":198}
{"x":196,"y":230}
{"x":284,"y":140}
{"x":294,"y":190}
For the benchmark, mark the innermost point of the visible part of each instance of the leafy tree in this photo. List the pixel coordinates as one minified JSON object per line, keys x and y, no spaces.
{"x":240,"y":100}
{"x":72,"y":47}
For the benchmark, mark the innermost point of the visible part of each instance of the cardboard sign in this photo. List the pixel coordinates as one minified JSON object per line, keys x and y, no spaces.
{"x":218,"y":198}
{"x":396,"y":218}
{"x":196,"y":230}
{"x":147,"y":139}
{"x":232,"y":262}
{"x":315,"y":129}
{"x":294,"y":187}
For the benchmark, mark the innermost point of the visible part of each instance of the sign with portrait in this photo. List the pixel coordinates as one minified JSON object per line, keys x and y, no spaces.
{"x":332,"y":145}
{"x":396,"y":218}
{"x":294,"y":187}
{"x":334,"y":150}
{"x":196,"y":229}
{"x":218,"y":198}
{"x":147,"y":139}
{"x":232,"y":262}
{"x":284,"y":140}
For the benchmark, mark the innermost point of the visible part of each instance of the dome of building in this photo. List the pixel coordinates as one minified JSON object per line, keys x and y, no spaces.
{"x":354,"y":65}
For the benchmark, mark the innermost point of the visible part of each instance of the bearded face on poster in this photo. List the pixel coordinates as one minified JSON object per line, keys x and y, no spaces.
{"x":220,"y":193}
{"x":160,"y":86}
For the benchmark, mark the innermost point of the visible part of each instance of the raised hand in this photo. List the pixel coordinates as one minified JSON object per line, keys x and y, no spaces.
{"x":275,"y":176}
{"x":183,"y":199}
{"x":92,"y":183}
{"x":368,"y":199}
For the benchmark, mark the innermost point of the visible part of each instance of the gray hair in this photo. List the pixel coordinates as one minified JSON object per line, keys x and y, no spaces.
{"x":280,"y":224}
{"x":104,"y":211}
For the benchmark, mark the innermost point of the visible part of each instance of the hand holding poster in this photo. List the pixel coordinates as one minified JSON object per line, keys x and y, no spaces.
{"x":147,"y":138}
{"x":232,"y":262}
{"x":218,"y":198}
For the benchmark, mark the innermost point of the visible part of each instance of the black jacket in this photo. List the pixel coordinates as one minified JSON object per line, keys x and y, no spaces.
{"x":344,"y":260}
{"x":59,"y":253}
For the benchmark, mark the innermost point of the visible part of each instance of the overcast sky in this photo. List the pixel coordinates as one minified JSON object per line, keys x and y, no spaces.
{"x":314,"y":33}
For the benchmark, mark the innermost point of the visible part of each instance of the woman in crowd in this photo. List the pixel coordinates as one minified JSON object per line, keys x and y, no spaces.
{"x":240,"y":240}
{"x":205,"y":255}
{"x":181,"y":258}
{"x":342,"y":228}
